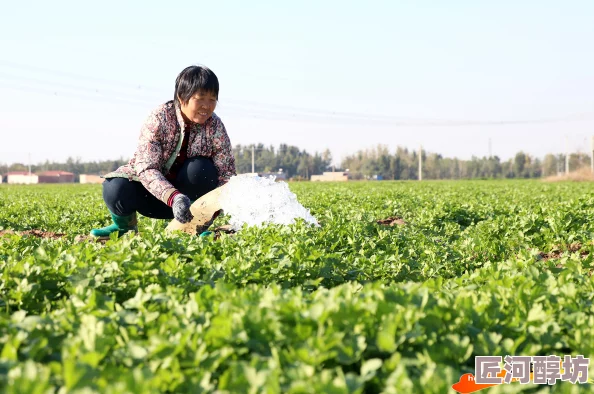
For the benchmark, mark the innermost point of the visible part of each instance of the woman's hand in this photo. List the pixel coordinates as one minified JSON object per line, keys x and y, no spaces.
{"x":181,"y":208}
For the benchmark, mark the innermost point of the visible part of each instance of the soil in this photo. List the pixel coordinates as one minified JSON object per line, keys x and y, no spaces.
{"x":223,"y":229}
{"x":33,"y":233}
{"x":556,"y":254}
{"x":572,"y":248}
{"x":51,"y":235}
{"x":392,"y":221}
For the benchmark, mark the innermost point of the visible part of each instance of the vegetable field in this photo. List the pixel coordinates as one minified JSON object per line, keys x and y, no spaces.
{"x":354,"y":306}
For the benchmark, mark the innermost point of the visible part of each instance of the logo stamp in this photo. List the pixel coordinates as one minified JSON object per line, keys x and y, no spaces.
{"x":541,"y":370}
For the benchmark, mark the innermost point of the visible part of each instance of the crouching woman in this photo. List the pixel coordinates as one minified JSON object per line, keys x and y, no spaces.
{"x":183,"y":153}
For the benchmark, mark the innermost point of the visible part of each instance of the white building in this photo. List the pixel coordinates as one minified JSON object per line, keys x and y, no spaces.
{"x":84,"y":178}
{"x":21,"y":177}
{"x":338,"y":176}
{"x":279,"y":176}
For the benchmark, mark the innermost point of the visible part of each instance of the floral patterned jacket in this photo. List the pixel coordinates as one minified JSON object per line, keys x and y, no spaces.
{"x":160,"y":140}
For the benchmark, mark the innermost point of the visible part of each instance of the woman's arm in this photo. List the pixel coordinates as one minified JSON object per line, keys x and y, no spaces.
{"x":149,"y":158}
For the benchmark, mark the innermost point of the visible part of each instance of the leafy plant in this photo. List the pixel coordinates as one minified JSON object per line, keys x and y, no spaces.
{"x":479,"y":268}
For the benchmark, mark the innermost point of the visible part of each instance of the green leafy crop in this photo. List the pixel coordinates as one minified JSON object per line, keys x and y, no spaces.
{"x":475,"y":268}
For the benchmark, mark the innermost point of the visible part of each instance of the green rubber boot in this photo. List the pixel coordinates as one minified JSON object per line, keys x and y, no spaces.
{"x":121,"y":224}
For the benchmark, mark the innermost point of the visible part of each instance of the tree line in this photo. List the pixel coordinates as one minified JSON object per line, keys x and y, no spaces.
{"x":295,"y":163}
{"x":74,"y":165}
{"x":402,"y":164}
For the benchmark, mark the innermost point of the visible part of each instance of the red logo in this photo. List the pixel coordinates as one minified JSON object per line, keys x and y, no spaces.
{"x":468,"y":385}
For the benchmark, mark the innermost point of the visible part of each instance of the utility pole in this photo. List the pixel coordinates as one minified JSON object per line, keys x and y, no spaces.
{"x":490,"y":149}
{"x":567,"y":155}
{"x":253,"y":149}
{"x":421,"y":162}
{"x":592,"y":155}
{"x":29,"y":166}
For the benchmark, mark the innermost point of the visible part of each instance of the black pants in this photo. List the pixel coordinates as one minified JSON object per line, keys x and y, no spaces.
{"x":196,"y":177}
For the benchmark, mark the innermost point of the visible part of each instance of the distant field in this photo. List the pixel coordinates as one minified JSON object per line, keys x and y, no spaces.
{"x":471,"y":268}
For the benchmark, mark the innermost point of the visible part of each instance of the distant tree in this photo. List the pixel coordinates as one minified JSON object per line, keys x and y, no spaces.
{"x":549,"y":165}
{"x":519,"y":165}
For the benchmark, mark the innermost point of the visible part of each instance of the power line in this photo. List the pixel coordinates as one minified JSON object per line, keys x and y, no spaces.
{"x":61,"y":85}
{"x":76,"y":95}
{"x":245,"y":105}
{"x":130,"y":93}
{"x":329,"y":117}
{"x":19,"y":67}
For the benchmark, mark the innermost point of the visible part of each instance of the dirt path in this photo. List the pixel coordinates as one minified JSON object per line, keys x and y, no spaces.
{"x":392,"y":221}
{"x":557,"y":253}
{"x":51,"y":235}
{"x":33,"y":233}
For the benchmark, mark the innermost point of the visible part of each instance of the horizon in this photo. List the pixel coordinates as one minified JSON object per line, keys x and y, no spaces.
{"x":391,"y":152}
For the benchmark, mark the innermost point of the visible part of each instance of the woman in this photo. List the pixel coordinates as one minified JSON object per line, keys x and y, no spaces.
{"x":183,"y":153}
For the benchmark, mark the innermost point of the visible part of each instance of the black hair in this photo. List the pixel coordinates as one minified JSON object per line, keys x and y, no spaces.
{"x":195,"y":79}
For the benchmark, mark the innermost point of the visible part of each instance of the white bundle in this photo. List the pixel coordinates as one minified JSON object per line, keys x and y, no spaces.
{"x":255,"y":200}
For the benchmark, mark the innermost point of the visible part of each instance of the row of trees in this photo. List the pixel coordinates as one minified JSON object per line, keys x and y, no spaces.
{"x":404,"y":164}
{"x":76,"y":166}
{"x":379,"y":161}
{"x":293,"y":161}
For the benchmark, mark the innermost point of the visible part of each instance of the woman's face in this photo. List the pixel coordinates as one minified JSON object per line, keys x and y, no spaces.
{"x":200,"y":107}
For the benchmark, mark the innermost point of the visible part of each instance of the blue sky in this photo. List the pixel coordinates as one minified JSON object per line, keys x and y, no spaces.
{"x":78,"y":79}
